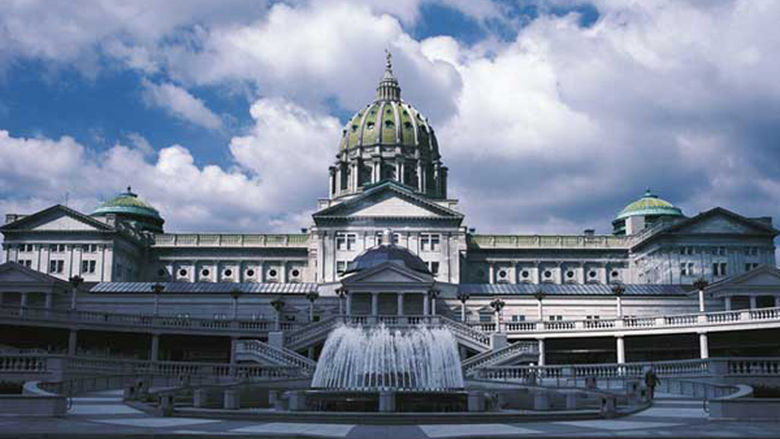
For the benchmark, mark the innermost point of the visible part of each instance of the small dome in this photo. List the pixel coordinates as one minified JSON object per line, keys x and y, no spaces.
{"x":387,"y":253}
{"x":649,"y":205}
{"x":130,"y":208}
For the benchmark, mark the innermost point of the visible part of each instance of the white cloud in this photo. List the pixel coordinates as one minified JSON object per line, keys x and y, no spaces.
{"x":179,"y":103}
{"x":281,"y":168}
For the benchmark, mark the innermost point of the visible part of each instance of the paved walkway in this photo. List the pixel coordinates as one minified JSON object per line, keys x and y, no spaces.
{"x":104,"y":413}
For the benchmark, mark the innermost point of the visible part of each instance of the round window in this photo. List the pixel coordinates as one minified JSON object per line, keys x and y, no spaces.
{"x":205,"y":272}
{"x":228,"y":272}
{"x":250,"y":272}
{"x":182,"y":272}
{"x":525,"y":273}
{"x":614,"y":273}
{"x":295,"y":273}
{"x":502,"y":274}
{"x":272,"y":272}
{"x":570,"y":274}
{"x":548,"y":273}
{"x":591,"y":273}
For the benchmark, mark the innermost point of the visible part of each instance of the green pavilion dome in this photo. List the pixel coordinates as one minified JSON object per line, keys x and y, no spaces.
{"x":649,"y":204}
{"x":643,"y":213}
{"x":129,"y":208}
{"x":389,"y":121}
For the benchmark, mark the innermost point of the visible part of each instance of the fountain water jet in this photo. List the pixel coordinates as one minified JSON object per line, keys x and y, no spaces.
{"x":380,"y":358}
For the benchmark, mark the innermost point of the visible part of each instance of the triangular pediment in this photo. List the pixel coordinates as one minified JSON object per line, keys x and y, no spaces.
{"x":388,"y":200}
{"x":57,"y":218}
{"x":721,"y":221}
{"x":764,"y":277}
{"x":388,"y":273}
{"x":12,"y":273}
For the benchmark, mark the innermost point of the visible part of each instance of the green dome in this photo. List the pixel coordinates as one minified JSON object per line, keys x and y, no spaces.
{"x":130,"y":208}
{"x":649,"y":205}
{"x":389,"y":121}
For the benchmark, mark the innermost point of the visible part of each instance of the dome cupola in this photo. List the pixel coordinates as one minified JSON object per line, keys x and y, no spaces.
{"x":642,"y":213}
{"x":388,"y":139}
{"x":130,"y":209}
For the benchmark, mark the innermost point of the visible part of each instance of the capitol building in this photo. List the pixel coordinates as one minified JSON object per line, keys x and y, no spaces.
{"x":389,"y":241}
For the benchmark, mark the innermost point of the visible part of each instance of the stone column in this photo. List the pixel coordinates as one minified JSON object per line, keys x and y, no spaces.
{"x":433,"y":306}
{"x":704,"y":348}
{"x":621,"y":350}
{"x":539,"y":310}
{"x":375,"y":304}
{"x":425,"y":304}
{"x":49,"y":300}
{"x":492,"y":273}
{"x":349,"y":304}
{"x":777,"y":301}
{"x":541,"y":352}
{"x":233,"y":361}
{"x":400,"y":298}
{"x":23,"y":303}
{"x":753,"y":302}
{"x":727,"y":303}
{"x":154,"y":353}
{"x":701,"y":300}
{"x":72,"y":342}
{"x":619,"y":303}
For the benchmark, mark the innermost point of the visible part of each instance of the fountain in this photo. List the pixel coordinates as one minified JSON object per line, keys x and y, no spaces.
{"x":388,"y":369}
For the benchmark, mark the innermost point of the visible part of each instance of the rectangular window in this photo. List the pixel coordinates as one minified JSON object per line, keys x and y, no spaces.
{"x":26,"y":262}
{"x":518,"y":318}
{"x":485,"y":318}
{"x":434,"y":267}
{"x":56,"y":266}
{"x":430,"y":242}
{"x":346,"y":241}
{"x":88,"y":266}
{"x":683,"y":269}
{"x":555,"y":318}
{"x":719,"y":269}
{"x":341,"y":267}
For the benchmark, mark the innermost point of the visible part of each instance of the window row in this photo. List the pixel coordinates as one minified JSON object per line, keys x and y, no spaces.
{"x":56,"y":248}
{"x":429,"y":242}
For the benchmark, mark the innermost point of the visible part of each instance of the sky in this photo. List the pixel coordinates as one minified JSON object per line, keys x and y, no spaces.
{"x":551,"y":115}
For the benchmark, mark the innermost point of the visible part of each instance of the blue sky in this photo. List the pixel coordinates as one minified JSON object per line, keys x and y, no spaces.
{"x":551,"y":115}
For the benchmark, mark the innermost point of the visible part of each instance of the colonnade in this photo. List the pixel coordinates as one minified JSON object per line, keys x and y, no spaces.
{"x":428,"y":302}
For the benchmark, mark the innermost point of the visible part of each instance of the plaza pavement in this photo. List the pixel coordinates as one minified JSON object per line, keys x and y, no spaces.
{"x":104,"y":414}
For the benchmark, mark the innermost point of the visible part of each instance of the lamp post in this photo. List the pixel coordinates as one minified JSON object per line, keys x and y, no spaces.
{"x":278,"y":305}
{"x":75,"y":282}
{"x":433,"y":293}
{"x":463,"y":297}
{"x":498,"y":305}
{"x":235,"y":293}
{"x":618,"y":291}
{"x":311,"y":296}
{"x":157,"y":289}
{"x":539,"y":295}
{"x":342,"y":293}
{"x":700,"y":284}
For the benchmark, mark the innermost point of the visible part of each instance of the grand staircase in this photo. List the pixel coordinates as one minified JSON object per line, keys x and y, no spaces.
{"x":260,"y":352}
{"x":315,"y":333}
{"x":518,"y":351}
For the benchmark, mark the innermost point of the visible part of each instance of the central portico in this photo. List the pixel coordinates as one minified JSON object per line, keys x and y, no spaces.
{"x":388,"y":280}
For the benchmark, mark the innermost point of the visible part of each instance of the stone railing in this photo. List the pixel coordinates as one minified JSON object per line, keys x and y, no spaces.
{"x":58,"y":367}
{"x":711,"y":321}
{"x":230,"y":240}
{"x":492,"y":357}
{"x":282,"y":356}
{"x":549,"y":241}
{"x":577,"y":374}
{"x":135,"y":322}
